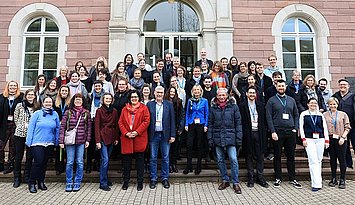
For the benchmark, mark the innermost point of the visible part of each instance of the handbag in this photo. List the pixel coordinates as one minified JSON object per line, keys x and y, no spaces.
{"x":70,"y":135}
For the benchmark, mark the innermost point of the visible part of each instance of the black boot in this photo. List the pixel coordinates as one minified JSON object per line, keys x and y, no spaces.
{"x":17,"y":182}
{"x":32,"y":188}
{"x":9,"y":169}
{"x":42,"y":186}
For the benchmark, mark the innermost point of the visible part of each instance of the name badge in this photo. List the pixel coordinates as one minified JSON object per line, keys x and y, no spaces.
{"x":26,"y":125}
{"x":197,"y":120}
{"x":315,"y":135}
{"x":10,"y":118}
{"x":285,"y":116}
{"x":254,"y":124}
{"x":335,"y":136}
{"x":158,"y":124}
{"x":131,"y":127}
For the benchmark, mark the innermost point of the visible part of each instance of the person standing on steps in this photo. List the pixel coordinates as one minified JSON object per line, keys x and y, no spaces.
{"x":161,"y":133}
{"x":225,"y":134}
{"x":283,"y":121}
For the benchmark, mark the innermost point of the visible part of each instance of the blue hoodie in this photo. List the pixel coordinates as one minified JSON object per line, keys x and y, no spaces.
{"x":43,"y":129}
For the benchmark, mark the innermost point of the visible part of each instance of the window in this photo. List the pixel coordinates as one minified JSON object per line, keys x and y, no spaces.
{"x":298,"y":49}
{"x":40,"y":50}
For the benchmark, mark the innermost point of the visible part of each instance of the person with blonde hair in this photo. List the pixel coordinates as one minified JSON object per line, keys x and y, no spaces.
{"x":9,"y":99}
{"x":307,"y":91}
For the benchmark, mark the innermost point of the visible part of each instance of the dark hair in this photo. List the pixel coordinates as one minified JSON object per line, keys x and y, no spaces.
{"x":167,"y":93}
{"x":198,"y":67}
{"x":77,"y":95}
{"x":49,"y":82}
{"x":250,"y":63}
{"x":281,"y":81}
{"x":322,"y":79}
{"x":230,"y":66}
{"x":97,"y":82}
{"x":103,"y":96}
{"x":243,"y":63}
{"x":76,"y":64}
{"x":35,"y":102}
{"x":207,"y":77}
{"x":224,"y":58}
{"x":86,"y":70}
{"x":125,"y":57}
{"x":312,"y":98}
{"x":258,"y":64}
{"x":118,"y":64}
{"x":159,"y":60}
{"x":251,"y":87}
{"x":130,"y":94}
{"x":104,"y":71}
{"x":45,"y":97}
{"x":252,"y":75}
{"x":155,"y":73}
{"x":100,"y":63}
{"x":37,"y":85}
{"x":146,"y":85}
{"x":73,"y":72}
{"x":276,"y":73}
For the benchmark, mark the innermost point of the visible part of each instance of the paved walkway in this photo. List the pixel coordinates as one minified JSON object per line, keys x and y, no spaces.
{"x":179,"y":193}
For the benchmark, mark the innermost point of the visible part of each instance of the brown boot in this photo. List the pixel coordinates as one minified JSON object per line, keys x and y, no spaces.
{"x":237,"y":189}
{"x":223,"y":186}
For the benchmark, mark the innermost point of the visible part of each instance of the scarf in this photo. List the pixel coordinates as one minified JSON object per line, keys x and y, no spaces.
{"x":51,"y":94}
{"x":218,"y":80}
{"x":137,"y":84}
{"x":197,"y":80}
{"x":107,"y":109}
{"x":311,"y":93}
{"x":78,"y":110}
{"x":222,"y":105}
{"x":194,"y":101}
{"x":132,"y":109}
{"x":75,"y":87}
{"x":97,"y":97}
{"x":47,"y":111}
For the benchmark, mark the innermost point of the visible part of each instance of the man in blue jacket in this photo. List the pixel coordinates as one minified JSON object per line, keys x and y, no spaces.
{"x":225,"y":133}
{"x":161,"y":133}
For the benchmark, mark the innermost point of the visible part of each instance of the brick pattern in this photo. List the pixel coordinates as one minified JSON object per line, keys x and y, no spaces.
{"x":253,"y":38}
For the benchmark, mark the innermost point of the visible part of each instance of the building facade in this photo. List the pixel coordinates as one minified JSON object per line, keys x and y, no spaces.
{"x":311,"y":36}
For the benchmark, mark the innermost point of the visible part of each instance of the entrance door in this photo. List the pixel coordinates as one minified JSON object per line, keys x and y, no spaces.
{"x":183,"y":46}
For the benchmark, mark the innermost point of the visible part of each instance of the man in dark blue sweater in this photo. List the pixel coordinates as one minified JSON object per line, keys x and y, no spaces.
{"x":282,"y":118}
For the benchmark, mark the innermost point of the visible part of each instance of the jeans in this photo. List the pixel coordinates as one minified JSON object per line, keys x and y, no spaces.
{"x":315,"y":149}
{"x":286,"y":139}
{"x":337,"y":152}
{"x":75,"y":152}
{"x":40,"y":159}
{"x":9,"y":136}
{"x":159,"y":141}
{"x":232,"y":154}
{"x":127,"y":164}
{"x":105,"y":157}
{"x":20,"y":149}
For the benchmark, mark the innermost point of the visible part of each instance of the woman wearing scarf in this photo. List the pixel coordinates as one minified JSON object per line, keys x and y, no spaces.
{"x":106,"y":135}
{"x":61,"y":105}
{"x":42,"y":135}
{"x":133,"y":123}
{"x":240,"y":80}
{"x":76,"y":86}
{"x":195,"y":124}
{"x":22,"y":116}
{"x":219,"y":77}
{"x":75,"y":116}
{"x":307,"y":91}
{"x":50,"y":90}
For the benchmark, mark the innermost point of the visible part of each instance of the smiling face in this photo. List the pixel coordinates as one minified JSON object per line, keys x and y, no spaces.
{"x":64,"y":71}
{"x":159,"y":93}
{"x":47,"y":103}
{"x":251,"y":94}
{"x":207,"y":83}
{"x":312,"y":105}
{"x":41,"y":81}
{"x":137,"y":74}
{"x":260,"y":69}
{"x":122,"y":86}
{"x":196,"y":72}
{"x":121,"y":68}
{"x":107,"y":100}
{"x":221,"y":96}
{"x":64,"y":91}
{"x":172,"y":93}
{"x":344,"y":86}
{"x":53,"y":85}
{"x":251,"y":80}
{"x":142,"y":64}
{"x":180,"y":72}
{"x":160,"y":66}
{"x":78,"y":102}
{"x":176,"y":62}
{"x":272,"y":61}
{"x":234,"y":61}
{"x":74,"y":78}
{"x":134,"y":99}
{"x":156,"y":77}
{"x":333,"y":106}
{"x":310,"y":82}
{"x":281,"y":88}
{"x":243,"y":68}
{"x":13,"y":88}
{"x":196,"y":91}
{"x":146,"y":91}
{"x":173,"y":81}
{"x":30,"y":96}
{"x":98,"y":87}
{"x":82,"y":71}
{"x":128,"y":59}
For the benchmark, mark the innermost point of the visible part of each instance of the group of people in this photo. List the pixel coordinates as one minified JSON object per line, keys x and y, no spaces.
{"x":138,"y":109}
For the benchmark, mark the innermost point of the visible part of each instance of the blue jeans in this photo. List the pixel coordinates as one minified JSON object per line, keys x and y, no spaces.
{"x":232,"y":154}
{"x":157,"y":141}
{"x":105,"y":156}
{"x":75,"y":152}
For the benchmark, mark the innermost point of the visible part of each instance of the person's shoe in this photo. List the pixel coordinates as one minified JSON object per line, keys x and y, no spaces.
{"x":8,"y":170}
{"x":17,"y":182}
{"x":171,"y":169}
{"x":153,"y":184}
{"x":175,"y":169}
{"x":208,"y":158}
{"x":270,"y":157}
{"x":140,"y":186}
{"x":166,"y":184}
{"x":250,"y":184}
{"x":263,"y":183}
{"x":277,"y":183}
{"x":341,"y":184}
{"x":197,"y":171}
{"x":187,"y":170}
{"x":296,"y":184}
{"x":109,"y":183}
{"x":76,"y":187}
{"x":223,"y":185}
{"x":105,"y":188}
{"x":237,"y":188}
{"x":42,"y":186}
{"x":146,"y":168}
{"x":333,"y":182}
{"x":69,"y":187}
{"x":315,"y":189}
{"x":32,"y":188}
{"x":125,"y":186}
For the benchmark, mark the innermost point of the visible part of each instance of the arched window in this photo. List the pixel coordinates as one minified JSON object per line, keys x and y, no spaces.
{"x":40,"y":50}
{"x":298,"y":47}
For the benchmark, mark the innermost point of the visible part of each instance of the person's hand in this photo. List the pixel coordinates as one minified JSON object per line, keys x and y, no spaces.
{"x":87,"y":144}
{"x":341,"y":141}
{"x":61,"y":146}
{"x":115,"y":142}
{"x":179,"y":132}
{"x":134,"y":134}
{"x":98,"y":145}
{"x":171,"y":140}
{"x":186,"y":128}
{"x":326,"y":145}
{"x":274,"y":136}
{"x":205,"y":129}
{"x":304,"y":143}
{"x":129,"y":134}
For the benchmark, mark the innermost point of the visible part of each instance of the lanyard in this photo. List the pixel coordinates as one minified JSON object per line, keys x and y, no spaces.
{"x":11,"y":104}
{"x":314,"y":121}
{"x":253,"y":110}
{"x":181,"y":83}
{"x":282,"y":103}
{"x":158,"y":111}
{"x":334,"y":120}
{"x":62,"y":108}
{"x":261,"y":83}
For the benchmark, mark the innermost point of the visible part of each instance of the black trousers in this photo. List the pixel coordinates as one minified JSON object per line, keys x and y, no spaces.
{"x":286,"y":140}
{"x":20,"y":149}
{"x":173,"y":152}
{"x":127,"y":166}
{"x":337,"y":152}
{"x":59,"y":159}
{"x":39,"y":166}
{"x":351,"y":138}
{"x":92,"y":152}
{"x":258,"y":154}
{"x":9,"y":136}
{"x":195,"y":133}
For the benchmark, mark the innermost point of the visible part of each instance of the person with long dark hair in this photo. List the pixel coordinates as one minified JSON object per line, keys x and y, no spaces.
{"x":22,"y":116}
{"x":50,"y":90}
{"x":40,"y":85}
{"x":129,"y":65}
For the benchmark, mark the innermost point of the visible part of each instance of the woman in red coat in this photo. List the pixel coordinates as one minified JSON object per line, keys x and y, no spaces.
{"x":106,"y":130}
{"x":133,"y":123}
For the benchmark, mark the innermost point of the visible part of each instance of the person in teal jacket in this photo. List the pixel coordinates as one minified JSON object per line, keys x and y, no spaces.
{"x":42,"y":136}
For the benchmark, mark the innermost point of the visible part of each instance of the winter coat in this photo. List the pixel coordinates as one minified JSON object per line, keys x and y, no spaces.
{"x":225,"y":126}
{"x":22,"y":116}
{"x":140,"y":125}
{"x":106,"y":125}
{"x":83,"y":133}
{"x":5,"y":112}
{"x":303,"y":98}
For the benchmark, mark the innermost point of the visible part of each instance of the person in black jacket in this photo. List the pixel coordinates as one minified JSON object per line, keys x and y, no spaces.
{"x":8,"y":101}
{"x":196,"y":78}
{"x":225,"y":133}
{"x":254,"y":136}
{"x":263,"y":81}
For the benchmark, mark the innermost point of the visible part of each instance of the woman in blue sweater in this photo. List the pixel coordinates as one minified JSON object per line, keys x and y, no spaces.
{"x":195,"y":124}
{"x":42,"y":135}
